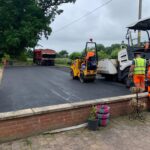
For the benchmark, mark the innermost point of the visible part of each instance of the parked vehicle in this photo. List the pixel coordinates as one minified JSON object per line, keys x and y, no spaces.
{"x":44,"y":57}
{"x":118,"y":69}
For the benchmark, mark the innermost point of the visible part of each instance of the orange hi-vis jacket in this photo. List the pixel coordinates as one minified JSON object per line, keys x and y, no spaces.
{"x":89,"y":54}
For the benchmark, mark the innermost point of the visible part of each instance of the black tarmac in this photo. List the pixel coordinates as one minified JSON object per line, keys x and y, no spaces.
{"x":28,"y":87}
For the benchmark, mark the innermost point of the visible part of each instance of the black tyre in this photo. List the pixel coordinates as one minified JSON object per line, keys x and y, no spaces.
{"x":53,"y":63}
{"x":127,"y":82}
{"x":115,"y":78}
{"x":108,"y":78}
{"x":92,"y":80}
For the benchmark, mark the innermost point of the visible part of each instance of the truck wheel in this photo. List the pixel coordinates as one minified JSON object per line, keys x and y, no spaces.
{"x":127,"y":82}
{"x":92,"y":80}
{"x":38,"y":62}
{"x":108,"y":78}
{"x":52,"y":63}
{"x":114,"y":78}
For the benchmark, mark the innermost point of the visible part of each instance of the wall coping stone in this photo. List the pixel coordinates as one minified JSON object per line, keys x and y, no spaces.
{"x":63,"y":107}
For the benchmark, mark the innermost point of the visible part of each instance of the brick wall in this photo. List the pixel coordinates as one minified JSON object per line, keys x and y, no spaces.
{"x":20,"y":124}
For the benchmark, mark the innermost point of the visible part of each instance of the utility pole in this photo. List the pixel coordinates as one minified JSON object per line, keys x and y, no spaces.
{"x":139,"y":17}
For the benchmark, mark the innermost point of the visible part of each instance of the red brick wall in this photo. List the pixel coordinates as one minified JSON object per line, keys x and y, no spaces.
{"x":30,"y":125}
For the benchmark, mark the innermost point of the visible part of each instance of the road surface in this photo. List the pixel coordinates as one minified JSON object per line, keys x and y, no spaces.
{"x":28,"y":87}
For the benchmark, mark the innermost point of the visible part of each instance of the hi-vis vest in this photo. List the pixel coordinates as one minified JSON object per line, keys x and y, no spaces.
{"x":140,"y":66}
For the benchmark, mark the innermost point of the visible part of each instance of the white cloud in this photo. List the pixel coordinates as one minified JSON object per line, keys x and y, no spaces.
{"x":106,"y":25}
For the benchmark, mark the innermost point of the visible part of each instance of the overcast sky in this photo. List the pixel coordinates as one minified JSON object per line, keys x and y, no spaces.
{"x":107,"y":25}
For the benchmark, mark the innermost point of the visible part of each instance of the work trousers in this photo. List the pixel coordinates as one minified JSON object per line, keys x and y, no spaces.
{"x":139,"y":80}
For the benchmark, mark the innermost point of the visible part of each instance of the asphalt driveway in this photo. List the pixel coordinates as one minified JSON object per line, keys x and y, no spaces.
{"x":28,"y":87}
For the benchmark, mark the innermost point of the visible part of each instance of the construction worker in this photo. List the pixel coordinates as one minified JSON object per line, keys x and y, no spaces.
{"x":90,"y":54}
{"x":83,"y":65}
{"x":137,"y":71}
{"x":148,"y":78}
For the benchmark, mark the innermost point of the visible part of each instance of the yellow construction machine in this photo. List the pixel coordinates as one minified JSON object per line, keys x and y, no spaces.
{"x":85,"y":68}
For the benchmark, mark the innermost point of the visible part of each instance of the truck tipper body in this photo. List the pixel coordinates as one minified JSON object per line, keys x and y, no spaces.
{"x":44,"y":57}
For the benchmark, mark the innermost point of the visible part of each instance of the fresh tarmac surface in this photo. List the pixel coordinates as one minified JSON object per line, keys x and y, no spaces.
{"x":28,"y":87}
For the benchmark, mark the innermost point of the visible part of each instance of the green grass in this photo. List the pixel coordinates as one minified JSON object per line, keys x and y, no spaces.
{"x":58,"y":62}
{"x":28,"y":143}
{"x":15,"y":62}
{"x":1,"y":65}
{"x":62,"y":62}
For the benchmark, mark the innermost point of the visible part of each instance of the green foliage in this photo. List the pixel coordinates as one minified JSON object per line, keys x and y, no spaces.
{"x":115,"y":46}
{"x":6,"y":56}
{"x":109,"y":52}
{"x":29,"y":53}
{"x":1,"y":65}
{"x":109,"y":49}
{"x":100,"y":47}
{"x":63,"y":53}
{"x":103,"y":54}
{"x":75,"y":55}
{"x":23,"y":22}
{"x":28,"y":143}
{"x":62,"y":61}
{"x":22,"y":57}
{"x":92,"y":115}
{"x":114,"y":53}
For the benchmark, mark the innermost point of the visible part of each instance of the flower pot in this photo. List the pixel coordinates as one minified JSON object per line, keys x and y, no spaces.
{"x":103,"y":109}
{"x":103,"y":116}
{"x":103,"y":122}
{"x":92,"y":124}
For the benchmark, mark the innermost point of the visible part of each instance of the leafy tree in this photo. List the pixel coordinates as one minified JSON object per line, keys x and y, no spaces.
{"x":22,"y":57}
{"x":112,"y":47}
{"x":116,"y":46}
{"x":100,"y":47}
{"x":23,"y":22}
{"x":103,"y":54}
{"x":29,"y":53}
{"x":6,"y":56}
{"x":114,"y":53}
{"x":75,"y":55}
{"x":63,"y":53}
{"x":108,"y":50}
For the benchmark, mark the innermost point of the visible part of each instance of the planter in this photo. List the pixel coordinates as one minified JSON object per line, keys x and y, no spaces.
{"x":93,"y":125}
{"x":103,"y":122}
{"x":103,"y":109}
{"x":103,"y":116}
{"x":103,"y":119}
